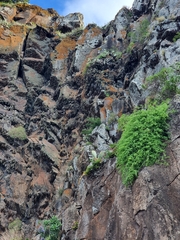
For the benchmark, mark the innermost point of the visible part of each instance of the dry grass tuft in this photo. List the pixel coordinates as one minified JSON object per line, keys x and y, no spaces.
{"x":12,"y":235}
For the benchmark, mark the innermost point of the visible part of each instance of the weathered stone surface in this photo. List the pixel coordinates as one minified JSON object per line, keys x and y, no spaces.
{"x":70,"y":22}
{"x":31,"y":77}
{"x":50,"y":84}
{"x":100,"y":137}
{"x":130,"y":213}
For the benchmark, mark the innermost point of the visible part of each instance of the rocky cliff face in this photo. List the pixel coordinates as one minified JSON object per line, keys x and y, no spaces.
{"x":53,"y":75}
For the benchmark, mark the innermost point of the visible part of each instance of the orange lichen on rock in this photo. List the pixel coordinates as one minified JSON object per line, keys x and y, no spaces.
{"x":89,"y":34}
{"x":82,"y":39}
{"x":108,"y":103}
{"x":112,"y":89}
{"x":106,"y":80}
{"x":18,"y":29}
{"x":87,"y":59}
{"x":68,"y":192}
{"x":34,"y":8}
{"x":95,"y":31}
{"x":103,"y":114}
{"x":123,"y":33}
{"x":41,"y":178}
{"x":47,"y":101}
{"x":12,"y":38}
{"x":67,"y":92}
{"x":64,"y":47}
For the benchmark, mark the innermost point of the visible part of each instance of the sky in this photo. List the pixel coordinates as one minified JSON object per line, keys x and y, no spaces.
{"x":94,"y":11}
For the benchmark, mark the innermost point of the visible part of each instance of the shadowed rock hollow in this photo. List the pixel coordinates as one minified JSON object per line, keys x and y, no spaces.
{"x":54,"y":74}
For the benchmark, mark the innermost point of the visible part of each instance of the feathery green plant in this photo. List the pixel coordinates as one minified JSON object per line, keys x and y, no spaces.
{"x":52,"y":228}
{"x":143,"y":141}
{"x":166,"y":82}
{"x":18,"y":132}
{"x":176,"y":37}
{"x":91,"y":123}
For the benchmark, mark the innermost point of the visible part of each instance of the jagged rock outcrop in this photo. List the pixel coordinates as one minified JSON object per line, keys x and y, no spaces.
{"x":53,"y":76}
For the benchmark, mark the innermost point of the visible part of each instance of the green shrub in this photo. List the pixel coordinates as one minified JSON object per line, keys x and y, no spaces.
{"x":18,"y":132}
{"x":139,"y":35}
{"x":91,"y":123}
{"x":5,"y":24}
{"x":117,"y":54}
{"x":60,"y":191}
{"x":103,"y":54}
{"x":15,"y":225}
{"x":112,"y":118}
{"x":176,"y":37}
{"x":142,"y":142}
{"x":130,"y":47}
{"x":95,"y":164}
{"x":166,"y":81}
{"x":75,"y":225}
{"x":52,"y":228}
{"x":88,"y":65}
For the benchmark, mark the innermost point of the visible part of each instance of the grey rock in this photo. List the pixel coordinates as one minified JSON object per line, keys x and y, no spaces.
{"x":101,"y":139}
{"x":70,"y":22}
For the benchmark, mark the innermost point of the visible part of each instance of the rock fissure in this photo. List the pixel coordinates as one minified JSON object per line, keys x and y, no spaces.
{"x":174,"y":179}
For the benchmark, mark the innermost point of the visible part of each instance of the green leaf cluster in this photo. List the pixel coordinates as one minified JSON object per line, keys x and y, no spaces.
{"x":75,"y":225}
{"x":91,"y":123}
{"x":139,"y":35}
{"x":143,"y":141}
{"x":166,"y":81}
{"x":176,"y":37}
{"x":95,"y":164}
{"x":141,"y":32}
{"x":18,"y":132}
{"x":52,"y":228}
{"x":15,"y":225}
{"x":104,"y":54}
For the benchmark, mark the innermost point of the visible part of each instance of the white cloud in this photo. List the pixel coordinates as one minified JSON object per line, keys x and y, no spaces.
{"x":96,"y":11}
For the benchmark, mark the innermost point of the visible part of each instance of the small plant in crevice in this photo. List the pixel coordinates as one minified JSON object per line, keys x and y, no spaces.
{"x":94,"y":165}
{"x":130,"y":47}
{"x":111,"y":153}
{"x":176,"y":37}
{"x":75,"y":225}
{"x":139,"y":35}
{"x":104,"y":54}
{"x":160,"y":19}
{"x":60,"y":191}
{"x":51,"y":229}
{"x":143,"y":141}
{"x":88,"y":65}
{"x":18,"y":132}
{"x":165,"y":82}
{"x":91,"y":123}
{"x":75,"y":33}
{"x":15,"y":225}
{"x":112,"y":118}
{"x":5,"y":23}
